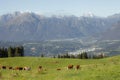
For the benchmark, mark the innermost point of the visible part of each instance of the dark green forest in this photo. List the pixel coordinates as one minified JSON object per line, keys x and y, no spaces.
{"x":11,"y":51}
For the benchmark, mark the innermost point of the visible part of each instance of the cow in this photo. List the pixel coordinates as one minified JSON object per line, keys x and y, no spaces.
{"x":27,"y":68}
{"x":10,"y":68}
{"x":58,"y":69}
{"x":3,"y":67}
{"x":18,"y":68}
{"x":77,"y":67}
{"x":70,"y":66}
{"x":40,"y":68}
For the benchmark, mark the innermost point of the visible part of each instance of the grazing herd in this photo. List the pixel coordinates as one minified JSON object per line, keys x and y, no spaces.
{"x":40,"y":68}
{"x":72,"y":66}
{"x":15,"y":68}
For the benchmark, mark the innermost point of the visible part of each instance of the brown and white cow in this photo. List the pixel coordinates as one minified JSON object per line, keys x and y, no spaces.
{"x":40,"y":68}
{"x":27,"y":68}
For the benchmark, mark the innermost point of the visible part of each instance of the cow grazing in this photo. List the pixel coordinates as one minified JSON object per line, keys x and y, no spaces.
{"x":18,"y":68}
{"x":58,"y":69}
{"x":10,"y":68}
{"x":77,"y":67}
{"x":27,"y":68}
{"x":3,"y":67}
{"x":40,"y":68}
{"x":70,"y":66}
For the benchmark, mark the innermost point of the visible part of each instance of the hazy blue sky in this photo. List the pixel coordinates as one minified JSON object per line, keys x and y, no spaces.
{"x":68,"y":7}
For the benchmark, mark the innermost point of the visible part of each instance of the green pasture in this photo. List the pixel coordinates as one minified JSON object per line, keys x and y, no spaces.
{"x":91,"y":69}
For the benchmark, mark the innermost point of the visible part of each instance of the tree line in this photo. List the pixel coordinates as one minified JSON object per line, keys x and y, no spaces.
{"x":83,"y":55}
{"x":11,"y":51}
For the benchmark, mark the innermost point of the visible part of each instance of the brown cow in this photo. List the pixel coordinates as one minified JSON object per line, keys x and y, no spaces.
{"x":77,"y":67}
{"x":70,"y":66}
{"x":18,"y":68}
{"x":58,"y":69}
{"x":40,"y":67}
{"x":10,"y":68}
{"x":3,"y":67}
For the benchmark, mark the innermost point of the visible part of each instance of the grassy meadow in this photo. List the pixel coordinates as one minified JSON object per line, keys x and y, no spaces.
{"x":91,"y":69}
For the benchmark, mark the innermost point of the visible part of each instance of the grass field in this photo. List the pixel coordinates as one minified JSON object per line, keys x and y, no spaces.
{"x":91,"y":69}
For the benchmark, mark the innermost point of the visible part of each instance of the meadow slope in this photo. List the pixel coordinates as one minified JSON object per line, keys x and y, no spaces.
{"x":91,"y":69}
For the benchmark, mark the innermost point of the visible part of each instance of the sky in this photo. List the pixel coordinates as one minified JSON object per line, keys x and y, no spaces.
{"x":61,"y":7}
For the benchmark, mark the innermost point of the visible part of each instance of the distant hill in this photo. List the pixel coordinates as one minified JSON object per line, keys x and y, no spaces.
{"x":30,"y":26}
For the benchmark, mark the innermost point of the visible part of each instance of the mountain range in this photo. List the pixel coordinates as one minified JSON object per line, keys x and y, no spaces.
{"x":27,"y":26}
